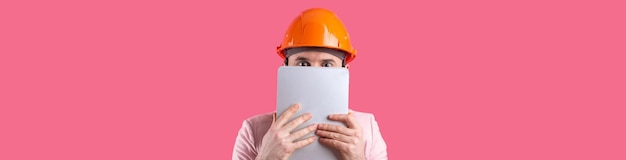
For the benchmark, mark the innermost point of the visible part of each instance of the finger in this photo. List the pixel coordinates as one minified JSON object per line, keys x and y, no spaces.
{"x":330,"y":127}
{"x":347,"y":119}
{"x":301,"y":143}
{"x":297,"y":121}
{"x":302,"y":132}
{"x":333,"y":135}
{"x":287,"y":114}
{"x":333,"y":143}
{"x":337,"y":129}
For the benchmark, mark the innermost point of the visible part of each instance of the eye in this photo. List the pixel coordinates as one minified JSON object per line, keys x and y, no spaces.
{"x":303,"y":63}
{"x":327,"y":64}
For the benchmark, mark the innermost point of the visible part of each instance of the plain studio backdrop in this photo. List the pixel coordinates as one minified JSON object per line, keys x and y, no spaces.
{"x":450,"y":79}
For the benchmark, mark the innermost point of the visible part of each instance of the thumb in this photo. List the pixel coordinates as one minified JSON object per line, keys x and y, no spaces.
{"x":274,"y":118}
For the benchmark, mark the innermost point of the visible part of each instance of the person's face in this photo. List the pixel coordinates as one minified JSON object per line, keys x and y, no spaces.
{"x":314,"y":59}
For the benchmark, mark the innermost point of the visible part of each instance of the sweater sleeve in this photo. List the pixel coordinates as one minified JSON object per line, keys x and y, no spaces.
{"x":244,"y":148}
{"x":378,"y":151}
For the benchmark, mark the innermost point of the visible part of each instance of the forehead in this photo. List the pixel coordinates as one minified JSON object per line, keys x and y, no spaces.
{"x":314,"y":55}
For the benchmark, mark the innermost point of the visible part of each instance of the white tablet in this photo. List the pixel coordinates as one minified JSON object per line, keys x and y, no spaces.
{"x":320,"y":91}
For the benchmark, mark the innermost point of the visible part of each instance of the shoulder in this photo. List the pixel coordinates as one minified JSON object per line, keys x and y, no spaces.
{"x":255,"y":127}
{"x":260,"y":118}
{"x":259,"y":123}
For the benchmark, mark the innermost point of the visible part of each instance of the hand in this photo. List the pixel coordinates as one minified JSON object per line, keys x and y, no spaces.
{"x":279,"y":142}
{"x":347,"y":140}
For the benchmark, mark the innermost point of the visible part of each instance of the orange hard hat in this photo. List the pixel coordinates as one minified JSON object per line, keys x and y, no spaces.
{"x":317,"y":27}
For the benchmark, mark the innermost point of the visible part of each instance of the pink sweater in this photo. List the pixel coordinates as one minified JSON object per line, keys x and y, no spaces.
{"x":254,"y":128}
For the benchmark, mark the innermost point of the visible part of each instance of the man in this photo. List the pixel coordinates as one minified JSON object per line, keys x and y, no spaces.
{"x":315,"y":38}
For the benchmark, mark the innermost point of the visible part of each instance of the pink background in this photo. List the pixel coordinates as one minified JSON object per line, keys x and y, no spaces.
{"x":487,"y":80}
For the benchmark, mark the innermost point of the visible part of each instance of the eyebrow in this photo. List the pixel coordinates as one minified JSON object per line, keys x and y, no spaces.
{"x":328,"y":60}
{"x":323,"y":60}
{"x":302,"y":59}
